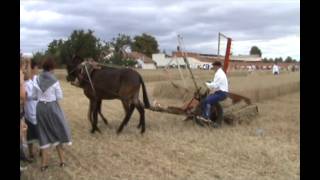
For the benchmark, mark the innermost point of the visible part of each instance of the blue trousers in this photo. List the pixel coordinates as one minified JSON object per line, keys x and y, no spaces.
{"x":210,"y":101}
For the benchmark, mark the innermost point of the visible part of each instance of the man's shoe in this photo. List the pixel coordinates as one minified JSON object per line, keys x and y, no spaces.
{"x":203,"y":119}
{"x":216,"y":125}
{"x":23,"y":168}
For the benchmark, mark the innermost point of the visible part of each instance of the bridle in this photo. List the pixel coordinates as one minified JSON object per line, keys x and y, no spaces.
{"x":87,"y":73}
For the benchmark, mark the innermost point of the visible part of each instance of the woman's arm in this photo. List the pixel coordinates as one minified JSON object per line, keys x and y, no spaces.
{"x":22,"y":89}
{"x":58,"y":91}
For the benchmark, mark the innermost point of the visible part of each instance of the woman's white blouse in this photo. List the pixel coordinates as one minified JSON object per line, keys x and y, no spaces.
{"x":53,"y":93}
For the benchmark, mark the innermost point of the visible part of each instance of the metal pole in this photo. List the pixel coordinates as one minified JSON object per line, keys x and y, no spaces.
{"x":184,"y":82}
{"x":187,"y":63}
{"x":219,"y":44}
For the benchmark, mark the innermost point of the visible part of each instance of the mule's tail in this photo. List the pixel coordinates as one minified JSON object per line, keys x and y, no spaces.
{"x":145,"y":95}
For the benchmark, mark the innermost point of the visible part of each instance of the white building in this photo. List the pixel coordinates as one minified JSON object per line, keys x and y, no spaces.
{"x":142,"y":60}
{"x":162,"y":61}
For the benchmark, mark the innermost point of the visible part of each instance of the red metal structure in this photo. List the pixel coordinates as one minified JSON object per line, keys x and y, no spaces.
{"x":227,"y":57}
{"x":228,"y":50}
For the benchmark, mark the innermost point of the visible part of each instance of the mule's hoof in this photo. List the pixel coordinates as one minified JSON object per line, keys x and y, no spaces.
{"x":105,"y":122}
{"x":92,"y":131}
{"x":139,"y":126}
{"x":119,"y":131}
{"x":98,"y":130}
{"x":143,"y":130}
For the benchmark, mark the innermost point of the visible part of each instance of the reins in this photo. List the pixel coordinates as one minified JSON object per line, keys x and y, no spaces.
{"x":94,"y":91}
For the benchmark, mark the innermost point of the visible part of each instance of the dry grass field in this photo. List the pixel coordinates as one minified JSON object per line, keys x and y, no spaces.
{"x":172,"y":149}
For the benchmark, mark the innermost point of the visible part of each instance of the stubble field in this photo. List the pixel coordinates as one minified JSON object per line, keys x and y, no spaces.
{"x":171,"y":149}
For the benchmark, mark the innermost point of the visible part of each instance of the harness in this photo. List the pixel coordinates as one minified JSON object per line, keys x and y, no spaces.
{"x":89,"y":77}
{"x":88,"y":74}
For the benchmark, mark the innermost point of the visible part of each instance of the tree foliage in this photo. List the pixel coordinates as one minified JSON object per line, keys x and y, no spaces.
{"x":38,"y":57}
{"x":81,"y":43}
{"x":255,"y":51}
{"x":118,"y":45}
{"x":85,"y":44}
{"x":278,"y":60}
{"x":288,"y":59}
{"x":120,"y":42}
{"x":145,"y":44}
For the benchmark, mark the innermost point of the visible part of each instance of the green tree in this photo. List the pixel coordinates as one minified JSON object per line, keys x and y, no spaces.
{"x":54,"y":49}
{"x":85,"y":44}
{"x":280,"y":59}
{"x":270,"y":60}
{"x":145,"y":44}
{"x":120,"y":42}
{"x":38,"y":57}
{"x":255,"y":51}
{"x":117,"y":45}
{"x":288,"y":59}
{"x":81,"y":43}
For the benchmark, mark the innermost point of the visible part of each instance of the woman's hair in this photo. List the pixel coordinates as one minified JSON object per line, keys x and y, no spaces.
{"x":48,"y":64}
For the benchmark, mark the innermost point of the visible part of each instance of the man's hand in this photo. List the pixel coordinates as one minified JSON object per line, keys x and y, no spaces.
{"x":208,"y":84}
{"x":212,"y":91}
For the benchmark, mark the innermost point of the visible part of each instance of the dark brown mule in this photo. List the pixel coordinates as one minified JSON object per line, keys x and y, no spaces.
{"x":109,"y":83}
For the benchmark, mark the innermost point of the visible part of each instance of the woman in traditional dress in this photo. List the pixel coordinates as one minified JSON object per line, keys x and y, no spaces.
{"x":52,"y":126}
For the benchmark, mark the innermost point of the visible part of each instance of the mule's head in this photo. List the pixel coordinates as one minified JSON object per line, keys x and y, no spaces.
{"x":73,"y":68}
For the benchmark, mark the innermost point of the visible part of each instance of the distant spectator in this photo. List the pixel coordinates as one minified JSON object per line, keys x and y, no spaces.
{"x":250,"y":69}
{"x":275,"y":69}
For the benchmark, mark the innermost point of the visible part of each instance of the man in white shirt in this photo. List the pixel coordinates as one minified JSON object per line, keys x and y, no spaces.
{"x":275,"y":69}
{"x":30,"y":108}
{"x":219,"y":86}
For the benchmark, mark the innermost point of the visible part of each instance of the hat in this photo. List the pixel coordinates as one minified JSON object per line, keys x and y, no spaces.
{"x":217,"y":63}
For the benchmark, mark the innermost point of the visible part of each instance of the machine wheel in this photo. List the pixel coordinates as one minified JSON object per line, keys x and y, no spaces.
{"x":217,"y":115}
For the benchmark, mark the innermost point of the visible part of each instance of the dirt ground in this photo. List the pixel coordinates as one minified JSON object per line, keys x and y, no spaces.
{"x":172,"y":149}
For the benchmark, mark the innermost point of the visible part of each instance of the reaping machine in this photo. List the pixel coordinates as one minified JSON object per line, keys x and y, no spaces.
{"x":192,"y":110}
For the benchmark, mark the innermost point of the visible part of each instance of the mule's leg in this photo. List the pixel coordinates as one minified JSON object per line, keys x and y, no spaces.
{"x":95,"y":117}
{"x":140,"y":108}
{"x":101,"y":115}
{"x":125,"y":106}
{"x":126,"y":118}
{"x":90,"y":114}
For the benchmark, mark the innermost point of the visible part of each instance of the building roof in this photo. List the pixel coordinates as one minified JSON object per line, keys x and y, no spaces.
{"x":136,"y":55}
{"x":211,"y":57}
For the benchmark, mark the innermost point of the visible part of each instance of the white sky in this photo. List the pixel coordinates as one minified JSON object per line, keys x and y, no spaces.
{"x":273,"y":26}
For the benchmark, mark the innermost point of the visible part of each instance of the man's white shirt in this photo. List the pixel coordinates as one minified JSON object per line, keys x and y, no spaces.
{"x":30,"y":104}
{"x":275,"y":69}
{"x":220,"y":81}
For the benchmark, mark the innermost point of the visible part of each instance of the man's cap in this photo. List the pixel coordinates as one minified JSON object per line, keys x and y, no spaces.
{"x":217,"y":63}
